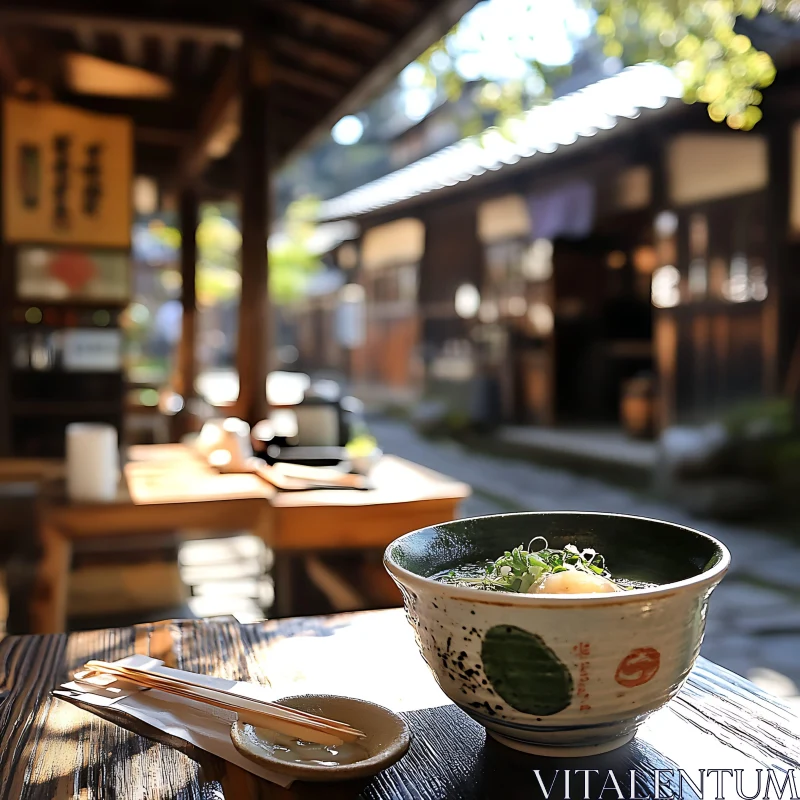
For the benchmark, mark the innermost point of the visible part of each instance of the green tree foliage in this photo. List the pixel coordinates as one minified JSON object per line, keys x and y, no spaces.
{"x":292,"y":260}
{"x":696,"y":38}
{"x":218,"y":244}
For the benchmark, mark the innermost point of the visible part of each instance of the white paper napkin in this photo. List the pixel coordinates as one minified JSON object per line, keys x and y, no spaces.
{"x":199,"y":724}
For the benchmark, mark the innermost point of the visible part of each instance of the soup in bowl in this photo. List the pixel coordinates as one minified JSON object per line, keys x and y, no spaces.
{"x":560,"y":632}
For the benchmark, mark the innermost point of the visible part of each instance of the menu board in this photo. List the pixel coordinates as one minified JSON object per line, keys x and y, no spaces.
{"x":66,"y":176}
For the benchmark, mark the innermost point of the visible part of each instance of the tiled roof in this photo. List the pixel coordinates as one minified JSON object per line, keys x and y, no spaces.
{"x":543,"y":129}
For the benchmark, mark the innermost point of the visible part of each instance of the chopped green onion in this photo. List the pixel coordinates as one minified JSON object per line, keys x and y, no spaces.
{"x":519,"y":569}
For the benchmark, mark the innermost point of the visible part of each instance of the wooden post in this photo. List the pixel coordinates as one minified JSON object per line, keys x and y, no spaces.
{"x":781,"y":304}
{"x":186,"y":352}
{"x":49,"y":607}
{"x":253,"y":350}
{"x":665,"y":331}
{"x":8,"y":292}
{"x":184,"y":372}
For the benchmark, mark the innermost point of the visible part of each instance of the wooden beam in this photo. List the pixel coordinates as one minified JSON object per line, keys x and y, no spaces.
{"x":316,"y":57}
{"x":253,"y":350}
{"x":161,"y":137}
{"x":287,"y":131}
{"x":90,"y":75}
{"x":9,"y":75}
{"x":403,"y":8}
{"x":132,"y":47}
{"x":7,"y":295}
{"x":429,"y":30}
{"x":291,"y":103}
{"x":200,"y":57}
{"x":221,"y":110}
{"x":287,"y":118}
{"x":169,"y":56}
{"x":308,"y":83}
{"x":338,"y":24}
{"x":86,"y":37}
{"x":88,"y":23}
{"x":178,"y":112}
{"x":221,"y":179}
{"x":157,"y":162}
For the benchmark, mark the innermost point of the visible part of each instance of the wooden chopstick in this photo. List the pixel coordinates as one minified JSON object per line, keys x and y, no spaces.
{"x":283,"y":719}
{"x":134,"y":673}
{"x":278,"y":708}
{"x":247,"y":709}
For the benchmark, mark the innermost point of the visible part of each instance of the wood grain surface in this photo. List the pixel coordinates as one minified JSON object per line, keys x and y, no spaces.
{"x":52,"y":749}
{"x":168,"y":488}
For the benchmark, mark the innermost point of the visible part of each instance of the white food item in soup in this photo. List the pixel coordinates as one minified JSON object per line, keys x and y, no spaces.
{"x":573,"y":581}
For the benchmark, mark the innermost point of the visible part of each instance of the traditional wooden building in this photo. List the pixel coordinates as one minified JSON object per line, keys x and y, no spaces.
{"x":207,"y":99}
{"x":623,"y":243}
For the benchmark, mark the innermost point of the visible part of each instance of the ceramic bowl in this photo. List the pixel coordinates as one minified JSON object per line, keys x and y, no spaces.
{"x":560,"y":674}
{"x":387,"y":738}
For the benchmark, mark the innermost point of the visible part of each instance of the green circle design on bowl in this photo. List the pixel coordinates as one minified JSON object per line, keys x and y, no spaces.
{"x":525,"y":672}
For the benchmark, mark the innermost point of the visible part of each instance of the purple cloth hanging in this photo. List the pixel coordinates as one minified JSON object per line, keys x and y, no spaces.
{"x":567,"y":211}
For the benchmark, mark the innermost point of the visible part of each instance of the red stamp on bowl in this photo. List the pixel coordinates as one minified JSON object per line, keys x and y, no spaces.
{"x":638,"y":667}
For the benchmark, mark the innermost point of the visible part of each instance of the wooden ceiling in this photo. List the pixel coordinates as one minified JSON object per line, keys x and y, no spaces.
{"x":327,"y":58}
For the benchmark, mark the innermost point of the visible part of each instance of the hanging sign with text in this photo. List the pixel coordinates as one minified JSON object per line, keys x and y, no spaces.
{"x":66,"y":175}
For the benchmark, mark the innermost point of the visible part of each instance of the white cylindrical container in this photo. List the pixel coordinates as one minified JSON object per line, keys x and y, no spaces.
{"x":237,"y":445}
{"x":92,"y":462}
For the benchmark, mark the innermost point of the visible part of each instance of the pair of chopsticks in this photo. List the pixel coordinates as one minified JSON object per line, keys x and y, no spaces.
{"x":263,"y":714}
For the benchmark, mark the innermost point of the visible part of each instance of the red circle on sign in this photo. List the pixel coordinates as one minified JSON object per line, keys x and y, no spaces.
{"x":638,"y":667}
{"x":74,"y":268}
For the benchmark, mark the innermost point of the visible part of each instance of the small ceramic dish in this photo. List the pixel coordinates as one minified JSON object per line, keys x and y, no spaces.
{"x":387,"y":738}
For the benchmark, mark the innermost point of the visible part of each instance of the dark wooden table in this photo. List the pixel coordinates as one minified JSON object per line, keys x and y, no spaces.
{"x":52,"y":749}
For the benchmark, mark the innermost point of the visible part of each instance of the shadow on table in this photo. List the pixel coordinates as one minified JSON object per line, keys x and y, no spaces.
{"x":627,"y":772}
{"x":451,"y":756}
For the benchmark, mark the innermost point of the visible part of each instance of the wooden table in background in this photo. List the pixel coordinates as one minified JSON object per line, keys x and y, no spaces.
{"x":52,"y":750}
{"x":169,"y":487}
{"x":36,"y":470}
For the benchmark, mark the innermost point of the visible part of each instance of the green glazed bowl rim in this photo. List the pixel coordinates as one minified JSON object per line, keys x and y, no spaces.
{"x":709,"y":577}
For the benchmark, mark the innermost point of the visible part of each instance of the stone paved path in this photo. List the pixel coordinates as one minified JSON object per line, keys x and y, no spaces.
{"x":754,"y":622}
